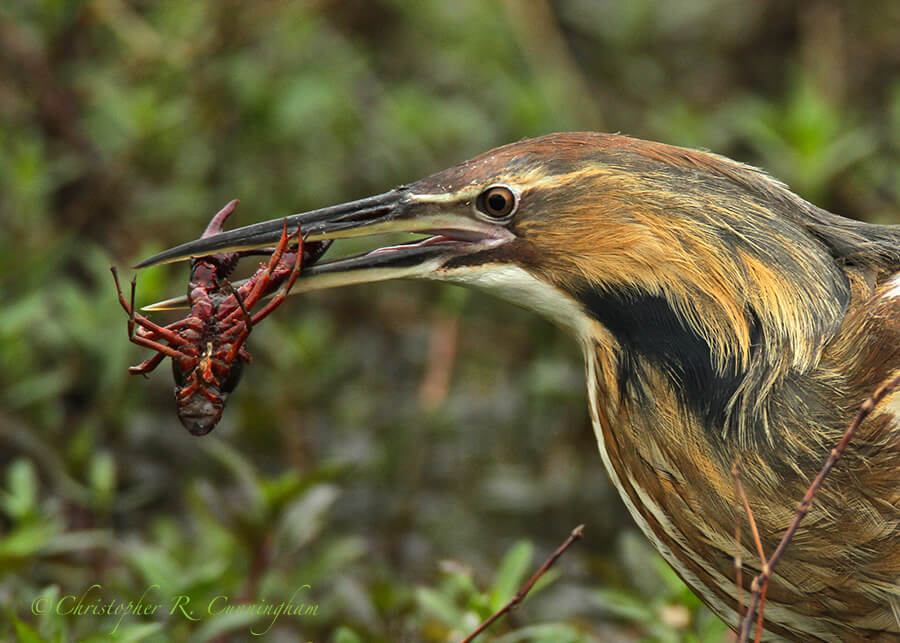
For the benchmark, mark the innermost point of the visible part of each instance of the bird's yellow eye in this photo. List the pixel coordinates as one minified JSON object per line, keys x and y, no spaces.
{"x":497,"y":202}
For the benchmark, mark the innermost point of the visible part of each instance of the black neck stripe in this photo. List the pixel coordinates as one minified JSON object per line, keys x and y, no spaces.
{"x":651,"y":332}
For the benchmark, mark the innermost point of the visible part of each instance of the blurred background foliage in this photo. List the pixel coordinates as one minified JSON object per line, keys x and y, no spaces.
{"x":409,"y":451}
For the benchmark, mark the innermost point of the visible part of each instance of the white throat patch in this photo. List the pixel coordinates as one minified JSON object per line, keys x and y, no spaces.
{"x":518,"y":286}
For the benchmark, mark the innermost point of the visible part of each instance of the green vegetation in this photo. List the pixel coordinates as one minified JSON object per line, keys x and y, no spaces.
{"x":412,"y":494}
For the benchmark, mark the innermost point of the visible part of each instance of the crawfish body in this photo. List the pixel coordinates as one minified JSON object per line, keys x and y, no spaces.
{"x":207,"y":346}
{"x":213,"y":359}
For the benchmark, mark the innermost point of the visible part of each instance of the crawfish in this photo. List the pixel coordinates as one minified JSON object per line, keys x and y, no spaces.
{"x":207,"y":346}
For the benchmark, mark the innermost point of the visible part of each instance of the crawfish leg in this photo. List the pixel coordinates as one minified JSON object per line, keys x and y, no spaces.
{"x":255,"y":288}
{"x":238,"y":345}
{"x":145,"y":367}
{"x":230,"y":321}
{"x":259,"y":288}
{"x":274,"y":303}
{"x":150,"y":333}
{"x":161,"y":348}
{"x":154,"y":331}
{"x":282,"y":293}
{"x":227,"y":287}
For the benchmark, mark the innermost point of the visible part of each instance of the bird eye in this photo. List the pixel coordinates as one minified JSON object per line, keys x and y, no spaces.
{"x":497,"y":202}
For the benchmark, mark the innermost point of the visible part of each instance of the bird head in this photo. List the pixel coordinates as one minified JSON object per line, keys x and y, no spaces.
{"x":670,"y":259}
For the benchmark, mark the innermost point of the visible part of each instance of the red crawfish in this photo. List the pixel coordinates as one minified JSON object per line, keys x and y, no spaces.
{"x":207,"y":346}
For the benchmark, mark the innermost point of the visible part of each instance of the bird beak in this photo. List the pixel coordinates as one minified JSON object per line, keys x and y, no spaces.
{"x":453,"y":227}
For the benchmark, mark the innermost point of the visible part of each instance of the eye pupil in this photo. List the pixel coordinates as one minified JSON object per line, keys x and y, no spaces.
{"x":497,"y":202}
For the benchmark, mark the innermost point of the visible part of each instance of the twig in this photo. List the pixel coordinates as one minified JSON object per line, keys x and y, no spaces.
{"x":761,"y":581}
{"x":738,"y":562}
{"x":760,"y":551}
{"x":753,"y":530}
{"x":523,"y":591}
{"x":441,"y":355}
{"x":259,"y":563}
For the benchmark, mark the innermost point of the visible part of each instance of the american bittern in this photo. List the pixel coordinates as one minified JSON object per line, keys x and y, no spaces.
{"x":722,"y":318}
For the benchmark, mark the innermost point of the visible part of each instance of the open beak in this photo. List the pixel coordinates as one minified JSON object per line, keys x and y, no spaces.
{"x":453,"y":228}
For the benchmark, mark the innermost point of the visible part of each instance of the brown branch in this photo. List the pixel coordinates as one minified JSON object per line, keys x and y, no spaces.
{"x":259,"y":563}
{"x":761,"y":581}
{"x":753,"y":530}
{"x":760,"y":550}
{"x":738,"y":562}
{"x":523,"y":591}
{"x":441,"y":355}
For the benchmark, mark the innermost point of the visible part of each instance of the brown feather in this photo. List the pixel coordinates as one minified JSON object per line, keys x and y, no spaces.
{"x":730,"y":321}
{"x":787,"y":301}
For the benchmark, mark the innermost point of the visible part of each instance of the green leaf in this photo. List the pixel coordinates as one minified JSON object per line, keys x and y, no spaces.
{"x":543,"y":633}
{"x":126,"y":634}
{"x":135,"y":633}
{"x":78,"y":540}
{"x":103,"y":478}
{"x":27,"y":540}
{"x":623,"y":605}
{"x":21,"y":499}
{"x":458,"y":579}
{"x":345,"y":635}
{"x":157,"y":568}
{"x":511,"y":574}
{"x":305,"y":517}
{"x":24,"y":632}
{"x":439,"y":606}
{"x":243,"y":470}
{"x":224,"y":623}
{"x":712,"y":629}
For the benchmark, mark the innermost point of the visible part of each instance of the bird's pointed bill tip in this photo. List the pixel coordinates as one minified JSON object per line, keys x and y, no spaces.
{"x":169,"y":304}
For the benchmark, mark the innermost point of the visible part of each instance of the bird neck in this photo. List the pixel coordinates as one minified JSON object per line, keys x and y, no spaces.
{"x":671,"y":463}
